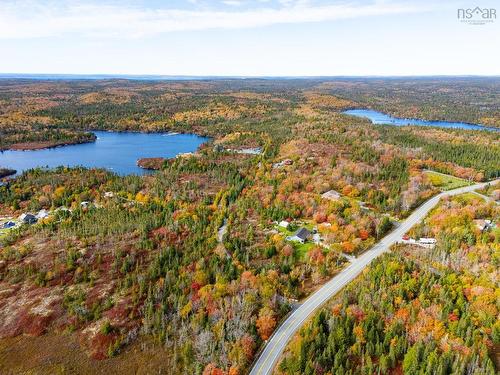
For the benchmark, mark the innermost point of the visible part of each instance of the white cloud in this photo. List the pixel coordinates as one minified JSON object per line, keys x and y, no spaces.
{"x":33,"y":19}
{"x":234,"y":3}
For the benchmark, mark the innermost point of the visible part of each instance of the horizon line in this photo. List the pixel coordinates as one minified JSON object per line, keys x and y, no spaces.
{"x":96,"y":76}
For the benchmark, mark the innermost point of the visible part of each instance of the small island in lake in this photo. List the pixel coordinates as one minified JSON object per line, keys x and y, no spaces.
{"x":151,"y":163}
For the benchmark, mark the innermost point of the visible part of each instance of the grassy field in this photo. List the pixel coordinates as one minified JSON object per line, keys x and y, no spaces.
{"x":445,"y":182}
{"x":470,"y":197}
{"x":3,"y":232}
{"x":62,"y":354}
{"x":302,"y":248}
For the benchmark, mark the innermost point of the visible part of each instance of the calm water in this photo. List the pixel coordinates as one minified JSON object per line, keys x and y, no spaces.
{"x":382,"y":118}
{"x":115,"y":151}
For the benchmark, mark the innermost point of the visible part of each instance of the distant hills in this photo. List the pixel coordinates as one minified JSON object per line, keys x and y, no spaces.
{"x":146,"y":77}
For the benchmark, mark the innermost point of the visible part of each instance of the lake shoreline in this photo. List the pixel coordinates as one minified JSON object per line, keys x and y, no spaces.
{"x":381,"y":118}
{"x":44,"y":145}
{"x":118,"y":152}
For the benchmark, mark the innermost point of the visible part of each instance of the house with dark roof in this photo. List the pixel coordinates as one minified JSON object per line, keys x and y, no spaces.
{"x":302,"y":235}
{"x":28,"y":218}
{"x":8,"y":224}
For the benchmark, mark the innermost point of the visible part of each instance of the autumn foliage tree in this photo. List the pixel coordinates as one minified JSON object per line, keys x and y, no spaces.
{"x":265,"y":323}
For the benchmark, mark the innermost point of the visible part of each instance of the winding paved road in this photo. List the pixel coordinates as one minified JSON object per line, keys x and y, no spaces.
{"x":268,"y":358}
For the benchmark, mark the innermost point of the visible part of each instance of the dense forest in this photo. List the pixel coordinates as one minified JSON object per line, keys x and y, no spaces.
{"x":400,"y":317}
{"x":190,"y":264}
{"x":466,"y":99}
{"x":422,"y":311}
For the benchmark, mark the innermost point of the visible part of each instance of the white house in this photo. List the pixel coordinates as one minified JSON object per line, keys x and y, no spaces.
{"x":331,"y":195}
{"x":482,"y":225}
{"x":284,"y":224}
{"x":42,"y":214}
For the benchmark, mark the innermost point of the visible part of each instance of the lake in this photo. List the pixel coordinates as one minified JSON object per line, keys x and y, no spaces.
{"x":115,"y":151}
{"x":382,"y":118}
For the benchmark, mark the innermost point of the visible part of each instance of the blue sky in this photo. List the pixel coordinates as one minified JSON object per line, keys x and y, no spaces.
{"x":246,"y":38}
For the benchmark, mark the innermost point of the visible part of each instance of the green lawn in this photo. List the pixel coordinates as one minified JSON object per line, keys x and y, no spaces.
{"x":302,"y":248}
{"x":445,"y":182}
{"x":284,"y":231}
{"x":288,"y":232}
